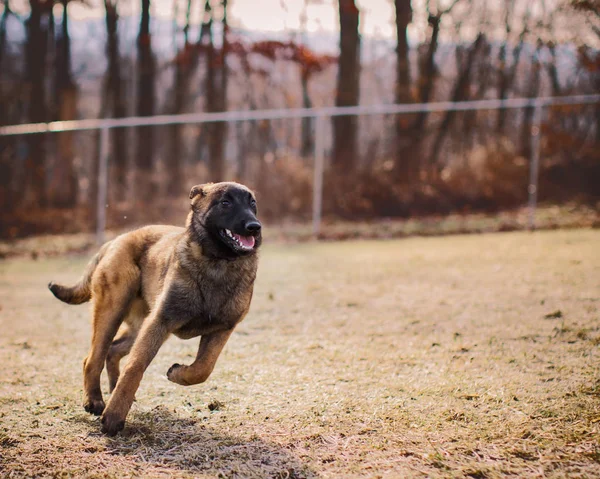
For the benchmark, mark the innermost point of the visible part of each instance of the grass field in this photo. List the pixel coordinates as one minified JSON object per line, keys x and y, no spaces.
{"x":465,"y":356}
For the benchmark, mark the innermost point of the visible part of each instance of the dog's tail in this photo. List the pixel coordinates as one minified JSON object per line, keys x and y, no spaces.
{"x":81,"y":292}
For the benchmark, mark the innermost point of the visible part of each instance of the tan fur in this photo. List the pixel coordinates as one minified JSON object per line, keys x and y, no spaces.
{"x":153,"y":282}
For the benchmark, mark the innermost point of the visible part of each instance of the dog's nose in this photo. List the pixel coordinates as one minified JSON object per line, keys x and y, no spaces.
{"x":253,"y":226}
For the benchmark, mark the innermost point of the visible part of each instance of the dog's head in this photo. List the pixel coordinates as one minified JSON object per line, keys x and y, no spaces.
{"x":223,"y":218}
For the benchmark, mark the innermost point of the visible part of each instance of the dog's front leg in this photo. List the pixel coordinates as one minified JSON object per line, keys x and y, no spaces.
{"x":210,"y":348}
{"x":151,"y":337}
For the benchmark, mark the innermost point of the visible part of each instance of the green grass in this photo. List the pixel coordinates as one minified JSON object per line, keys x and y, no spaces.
{"x":420,"y":357}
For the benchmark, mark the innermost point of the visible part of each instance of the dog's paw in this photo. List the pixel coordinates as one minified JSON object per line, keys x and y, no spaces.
{"x":112,"y":424}
{"x":94,"y":406}
{"x":174,"y":374}
{"x":172,"y":368}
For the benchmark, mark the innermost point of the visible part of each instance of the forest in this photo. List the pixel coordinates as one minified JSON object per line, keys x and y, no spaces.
{"x":54,"y":66}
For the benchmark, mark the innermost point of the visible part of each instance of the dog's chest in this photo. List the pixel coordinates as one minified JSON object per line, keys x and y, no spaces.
{"x":212,"y":303}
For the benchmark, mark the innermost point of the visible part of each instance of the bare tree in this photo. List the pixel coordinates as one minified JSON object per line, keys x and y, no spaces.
{"x":309,"y":63}
{"x":427,"y":68}
{"x":3,"y":21}
{"x":182,"y":66}
{"x":403,"y":20}
{"x":63,"y":186}
{"x":404,"y":158}
{"x":202,"y":46}
{"x":6,"y":143}
{"x":114,"y":91}
{"x":145,"y":100}
{"x":307,"y":143}
{"x":459,"y":93}
{"x":508,"y":72}
{"x":217,"y":78}
{"x":592,"y":7}
{"x":553,"y":70}
{"x":533,"y":87}
{"x":35,"y":74}
{"x":345,"y":128}
{"x":485,"y":74}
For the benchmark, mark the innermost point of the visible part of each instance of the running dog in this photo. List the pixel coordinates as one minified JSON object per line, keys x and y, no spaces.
{"x":161,"y":280}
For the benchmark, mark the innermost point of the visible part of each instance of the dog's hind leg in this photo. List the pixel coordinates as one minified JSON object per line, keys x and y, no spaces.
{"x":119,"y":348}
{"x":122,"y":345}
{"x":113,"y":290}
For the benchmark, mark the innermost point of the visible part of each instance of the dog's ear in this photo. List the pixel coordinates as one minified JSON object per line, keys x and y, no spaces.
{"x":199,"y":190}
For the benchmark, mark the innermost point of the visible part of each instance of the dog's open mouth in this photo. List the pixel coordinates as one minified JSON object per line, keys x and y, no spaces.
{"x":244,"y":243}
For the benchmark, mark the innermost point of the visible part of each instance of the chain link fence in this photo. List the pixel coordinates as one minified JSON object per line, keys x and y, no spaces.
{"x":377,"y":121}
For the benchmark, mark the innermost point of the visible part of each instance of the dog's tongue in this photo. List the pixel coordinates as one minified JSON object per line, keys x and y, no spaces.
{"x":247,"y":241}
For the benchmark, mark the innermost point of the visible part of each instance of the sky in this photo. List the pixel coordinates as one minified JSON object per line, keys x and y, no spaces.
{"x":377,"y":16}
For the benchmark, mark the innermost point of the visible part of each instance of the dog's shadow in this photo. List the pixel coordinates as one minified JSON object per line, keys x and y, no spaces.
{"x":161,"y":438}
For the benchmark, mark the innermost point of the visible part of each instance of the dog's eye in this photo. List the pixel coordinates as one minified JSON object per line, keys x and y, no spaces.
{"x":252,"y":202}
{"x":226,"y":203}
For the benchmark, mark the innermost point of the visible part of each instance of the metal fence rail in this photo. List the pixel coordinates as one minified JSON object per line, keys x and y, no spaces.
{"x":320,"y":115}
{"x":281,"y":114}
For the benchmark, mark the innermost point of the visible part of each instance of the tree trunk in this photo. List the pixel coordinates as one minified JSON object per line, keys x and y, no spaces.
{"x":6,"y":143}
{"x":63,"y":185}
{"x":221,"y":130}
{"x":345,"y":128}
{"x":533,"y":88}
{"x":553,"y":71}
{"x":307,"y":146}
{"x":427,"y":71}
{"x":35,"y":68}
{"x":507,"y":74}
{"x":460,"y":93}
{"x":145,"y":103}
{"x":180,"y":82}
{"x":597,"y":85}
{"x":114,"y":92}
{"x":3,"y":21}
{"x":210,"y":96}
{"x":484,"y":77}
{"x":216,"y":94}
{"x":404,"y":167}
{"x":206,"y":27}
{"x":203,"y":45}
{"x":403,"y":20}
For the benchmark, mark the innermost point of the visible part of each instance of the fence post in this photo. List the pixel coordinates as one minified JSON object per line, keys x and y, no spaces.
{"x":102,"y":185}
{"x":318,"y":173}
{"x":534,"y":163}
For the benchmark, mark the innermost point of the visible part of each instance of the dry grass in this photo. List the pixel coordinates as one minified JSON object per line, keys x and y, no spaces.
{"x":547,"y":217}
{"x":421,"y":357}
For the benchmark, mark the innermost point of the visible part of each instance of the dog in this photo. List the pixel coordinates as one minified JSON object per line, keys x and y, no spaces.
{"x":161,"y":280}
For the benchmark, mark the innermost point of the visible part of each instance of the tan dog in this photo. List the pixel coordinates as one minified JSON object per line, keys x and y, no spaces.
{"x":162,"y":280}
